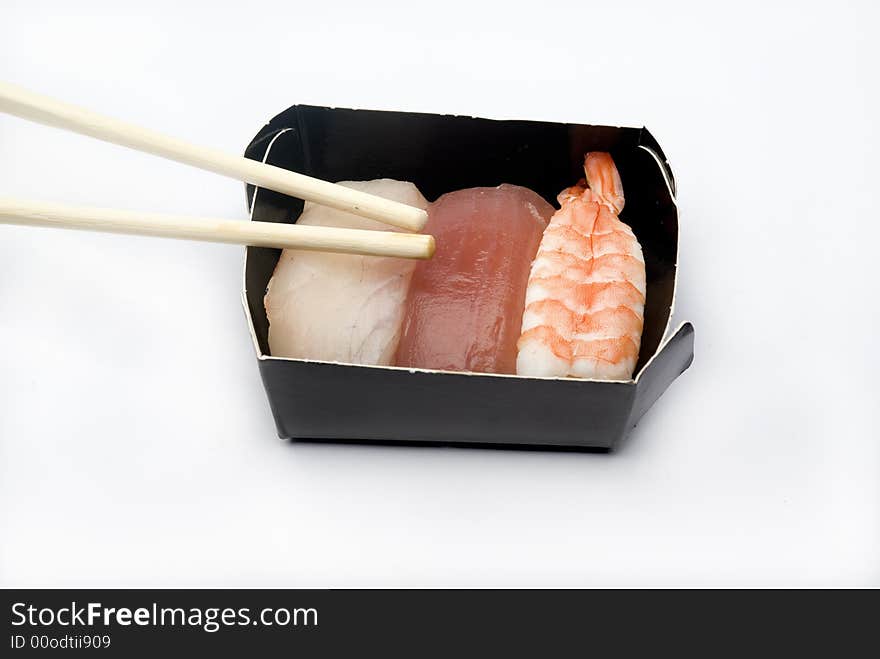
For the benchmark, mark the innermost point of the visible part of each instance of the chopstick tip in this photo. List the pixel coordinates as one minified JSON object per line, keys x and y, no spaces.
{"x":431,"y":247}
{"x":420,"y":219}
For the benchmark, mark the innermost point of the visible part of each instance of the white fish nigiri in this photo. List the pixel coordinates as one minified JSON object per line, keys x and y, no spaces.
{"x":341,"y":307}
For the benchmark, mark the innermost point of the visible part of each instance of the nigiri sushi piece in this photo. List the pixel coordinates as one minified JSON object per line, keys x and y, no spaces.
{"x":341,"y":307}
{"x":586,"y":293}
{"x":464,"y":308}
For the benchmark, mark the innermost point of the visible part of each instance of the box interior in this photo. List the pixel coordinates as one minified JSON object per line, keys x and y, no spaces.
{"x":441,"y":153}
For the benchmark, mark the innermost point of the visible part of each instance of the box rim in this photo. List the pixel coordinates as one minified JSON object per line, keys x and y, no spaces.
{"x":668,"y":178}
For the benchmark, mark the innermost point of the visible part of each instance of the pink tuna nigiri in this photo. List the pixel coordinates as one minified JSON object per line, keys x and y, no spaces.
{"x":464,"y":309}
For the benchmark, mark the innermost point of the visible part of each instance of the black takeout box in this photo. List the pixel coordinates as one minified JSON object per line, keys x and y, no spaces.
{"x":315,"y":400}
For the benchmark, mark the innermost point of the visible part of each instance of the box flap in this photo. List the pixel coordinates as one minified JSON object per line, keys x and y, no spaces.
{"x":671,"y":360}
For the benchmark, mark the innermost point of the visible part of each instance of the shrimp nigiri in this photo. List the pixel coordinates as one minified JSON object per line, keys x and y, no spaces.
{"x":585,"y":299}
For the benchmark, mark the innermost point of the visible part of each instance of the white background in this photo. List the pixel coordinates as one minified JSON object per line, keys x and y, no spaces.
{"x":136,"y":445}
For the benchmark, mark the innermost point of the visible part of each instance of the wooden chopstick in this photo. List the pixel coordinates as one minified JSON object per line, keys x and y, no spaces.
{"x":258,"y":234}
{"x":36,"y":107}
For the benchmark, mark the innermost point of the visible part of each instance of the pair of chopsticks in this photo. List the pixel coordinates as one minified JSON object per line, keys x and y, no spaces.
{"x":36,"y":107}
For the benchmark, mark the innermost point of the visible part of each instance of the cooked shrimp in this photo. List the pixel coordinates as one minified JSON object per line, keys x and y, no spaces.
{"x":585,"y":299}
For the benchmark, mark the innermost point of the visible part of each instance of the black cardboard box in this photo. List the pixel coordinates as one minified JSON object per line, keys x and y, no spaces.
{"x":343,"y":402}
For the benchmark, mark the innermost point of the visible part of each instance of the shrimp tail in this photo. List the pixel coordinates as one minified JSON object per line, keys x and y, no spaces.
{"x":604,"y":180}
